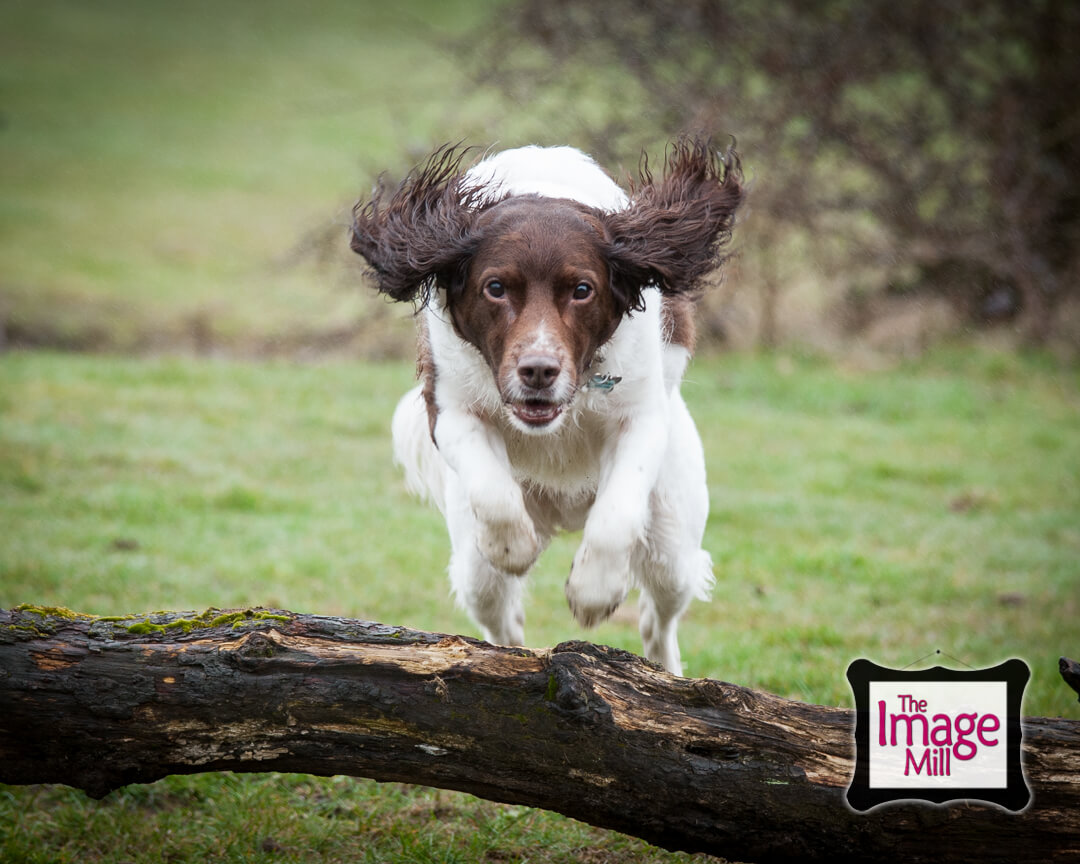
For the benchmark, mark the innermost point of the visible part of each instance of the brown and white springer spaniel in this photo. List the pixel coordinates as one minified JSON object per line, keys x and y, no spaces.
{"x":555,"y":328}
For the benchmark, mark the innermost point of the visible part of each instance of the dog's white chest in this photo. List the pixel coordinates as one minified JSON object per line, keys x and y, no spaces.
{"x":567,"y":463}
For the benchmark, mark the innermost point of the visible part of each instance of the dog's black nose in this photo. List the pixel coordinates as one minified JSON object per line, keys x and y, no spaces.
{"x":538,"y":371}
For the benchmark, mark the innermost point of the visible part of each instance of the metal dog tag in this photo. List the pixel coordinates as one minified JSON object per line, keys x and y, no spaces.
{"x":603,"y":382}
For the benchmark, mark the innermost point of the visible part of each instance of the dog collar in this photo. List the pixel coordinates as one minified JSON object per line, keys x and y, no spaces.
{"x":603,"y":382}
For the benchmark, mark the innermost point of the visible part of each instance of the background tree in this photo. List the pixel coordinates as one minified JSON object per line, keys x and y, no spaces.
{"x":903,"y":148}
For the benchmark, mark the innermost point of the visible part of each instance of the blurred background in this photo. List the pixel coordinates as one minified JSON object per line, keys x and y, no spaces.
{"x":178,"y":177}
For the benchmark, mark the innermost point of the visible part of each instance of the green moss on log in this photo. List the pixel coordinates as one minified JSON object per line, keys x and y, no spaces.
{"x":52,"y":612}
{"x":39,"y":621}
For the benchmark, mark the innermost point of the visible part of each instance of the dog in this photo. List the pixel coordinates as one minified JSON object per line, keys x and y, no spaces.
{"x":555,"y":324}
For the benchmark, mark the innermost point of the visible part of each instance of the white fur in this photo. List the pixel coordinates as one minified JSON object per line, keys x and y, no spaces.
{"x":625,"y":466}
{"x":554,"y":172}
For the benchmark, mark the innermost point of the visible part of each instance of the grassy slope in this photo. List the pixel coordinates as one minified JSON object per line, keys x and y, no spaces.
{"x":883,"y":514}
{"x":162,"y":162}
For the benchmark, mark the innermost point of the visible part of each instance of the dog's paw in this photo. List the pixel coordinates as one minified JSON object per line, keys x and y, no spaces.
{"x":507,"y":538}
{"x":598,"y":583}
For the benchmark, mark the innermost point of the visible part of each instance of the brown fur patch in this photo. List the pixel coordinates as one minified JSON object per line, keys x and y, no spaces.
{"x":677,"y":314}
{"x":425,"y":373}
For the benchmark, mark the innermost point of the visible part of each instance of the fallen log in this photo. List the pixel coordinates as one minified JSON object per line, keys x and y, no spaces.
{"x":592,"y":732}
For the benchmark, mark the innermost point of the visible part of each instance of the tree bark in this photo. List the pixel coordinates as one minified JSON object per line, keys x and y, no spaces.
{"x":591,"y":732}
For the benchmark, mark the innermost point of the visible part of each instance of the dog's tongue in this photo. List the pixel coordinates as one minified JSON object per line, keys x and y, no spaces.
{"x":537,"y":412}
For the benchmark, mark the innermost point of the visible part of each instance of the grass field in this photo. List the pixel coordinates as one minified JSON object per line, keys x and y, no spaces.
{"x":177,"y":178}
{"x":885,"y":514}
{"x":173,"y":173}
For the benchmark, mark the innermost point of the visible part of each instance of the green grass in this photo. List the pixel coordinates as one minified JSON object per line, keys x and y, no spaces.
{"x":294,"y":818}
{"x":174,"y":166}
{"x":132,"y":472}
{"x":885,"y":514}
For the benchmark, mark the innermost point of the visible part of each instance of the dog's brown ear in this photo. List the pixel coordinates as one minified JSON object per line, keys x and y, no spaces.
{"x":420,"y":235}
{"x":675,"y":230}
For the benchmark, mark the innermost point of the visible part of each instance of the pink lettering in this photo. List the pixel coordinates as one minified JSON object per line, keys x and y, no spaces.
{"x":961,"y":721}
{"x":945,"y":726}
{"x":909,"y":762}
{"x":953,"y":736}
{"x":910,"y":720}
{"x":984,"y":726}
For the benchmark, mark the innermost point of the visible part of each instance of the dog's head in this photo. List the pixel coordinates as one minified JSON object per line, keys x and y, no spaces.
{"x":538,"y":284}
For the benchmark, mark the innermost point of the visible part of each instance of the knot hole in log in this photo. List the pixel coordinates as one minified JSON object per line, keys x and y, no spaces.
{"x":252,"y":650}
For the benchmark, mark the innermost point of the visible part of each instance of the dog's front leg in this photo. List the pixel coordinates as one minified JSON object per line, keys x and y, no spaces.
{"x":617,"y":522}
{"x":505,"y":534}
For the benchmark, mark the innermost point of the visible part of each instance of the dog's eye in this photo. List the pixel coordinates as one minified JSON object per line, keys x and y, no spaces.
{"x":583,"y":291}
{"x":495,"y":289}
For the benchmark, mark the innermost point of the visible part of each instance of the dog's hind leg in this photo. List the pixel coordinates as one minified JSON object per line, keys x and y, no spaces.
{"x":492,"y":598}
{"x":666,"y":591}
{"x":674,"y":568}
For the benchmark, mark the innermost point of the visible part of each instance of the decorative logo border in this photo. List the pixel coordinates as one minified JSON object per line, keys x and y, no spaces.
{"x":1014,"y":796}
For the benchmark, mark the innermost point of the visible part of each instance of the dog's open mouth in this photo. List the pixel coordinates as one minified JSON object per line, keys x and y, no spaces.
{"x":536,"y":412}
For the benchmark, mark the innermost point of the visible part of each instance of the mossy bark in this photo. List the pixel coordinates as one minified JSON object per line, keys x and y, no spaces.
{"x":588,"y":731}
